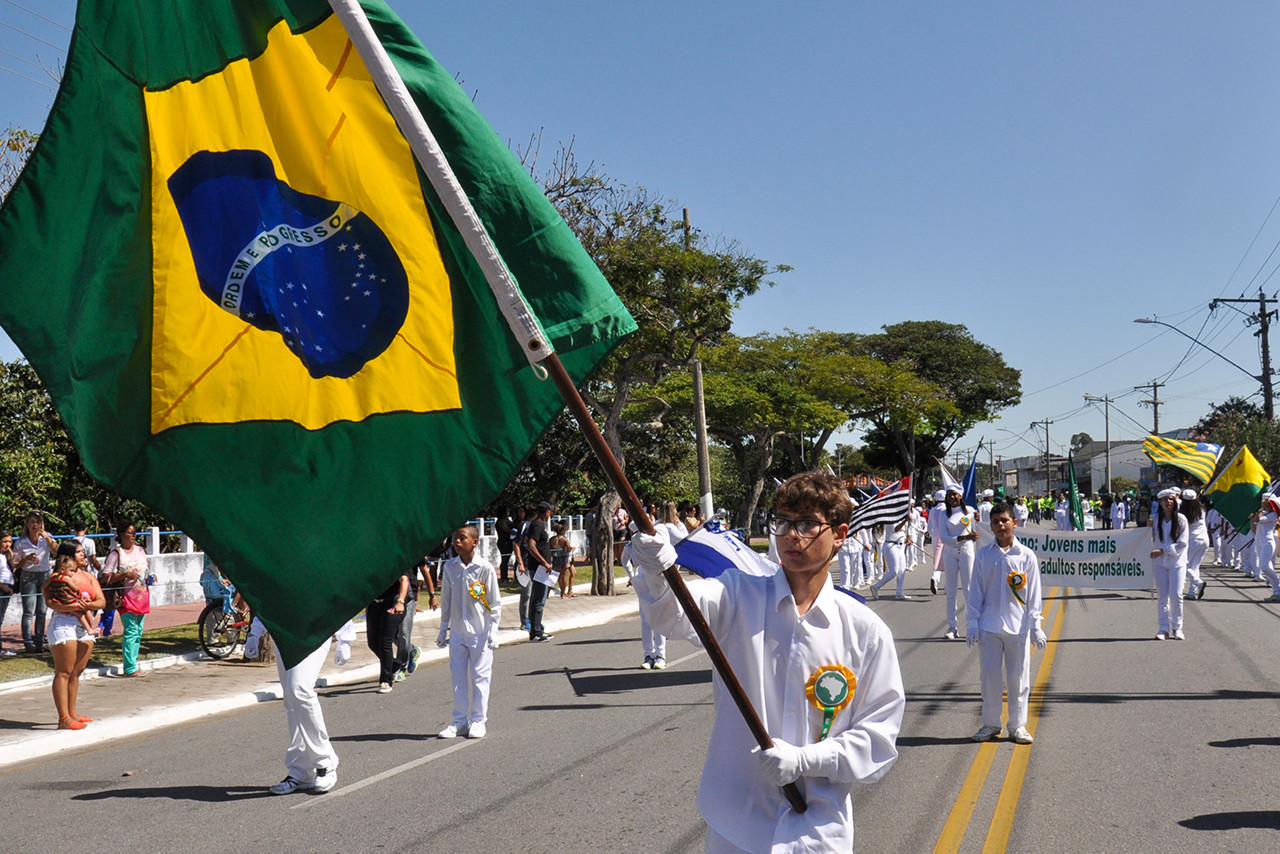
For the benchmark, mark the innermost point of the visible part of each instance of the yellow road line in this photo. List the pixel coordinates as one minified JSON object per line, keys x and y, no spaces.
{"x":1007,"y":806}
{"x":957,"y":822}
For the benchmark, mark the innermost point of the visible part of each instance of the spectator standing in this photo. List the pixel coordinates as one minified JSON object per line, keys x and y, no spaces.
{"x":70,"y":640}
{"x":562,"y":558}
{"x":8,"y":582}
{"x":382,"y":626}
{"x":504,"y":530}
{"x":470,"y":610}
{"x":406,"y":652}
{"x":34,"y":550}
{"x":126,"y":568}
{"x":537,"y":549}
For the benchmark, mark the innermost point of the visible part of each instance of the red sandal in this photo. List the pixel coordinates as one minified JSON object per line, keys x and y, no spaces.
{"x":68,"y":722}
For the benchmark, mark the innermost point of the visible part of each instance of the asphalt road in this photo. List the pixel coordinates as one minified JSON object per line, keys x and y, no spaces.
{"x":1141,"y":746}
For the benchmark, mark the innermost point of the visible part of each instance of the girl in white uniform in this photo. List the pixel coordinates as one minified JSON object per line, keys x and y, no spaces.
{"x":1198,"y":544}
{"x":1264,"y":544}
{"x":959,"y":538}
{"x":1170,"y":536}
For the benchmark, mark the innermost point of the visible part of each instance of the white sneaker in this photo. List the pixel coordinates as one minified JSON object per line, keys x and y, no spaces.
{"x":903,"y":597}
{"x":452,"y":731}
{"x":384,"y":688}
{"x":648,"y":663}
{"x":288,"y":786}
{"x":1021,"y":736}
{"x":476,"y":730}
{"x":659,"y":664}
{"x":1178,"y":635}
{"x":1162,"y":636}
{"x":326,"y":779}
{"x":951,"y":634}
{"x":986,"y":734}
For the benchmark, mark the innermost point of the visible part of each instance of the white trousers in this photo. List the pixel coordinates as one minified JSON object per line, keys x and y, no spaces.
{"x":470,"y":667}
{"x":957,"y":560}
{"x":894,"y":566}
{"x":309,"y":746}
{"x":1265,"y":548}
{"x":849,"y":559}
{"x":1249,"y":560}
{"x":655,"y":644}
{"x":1169,"y":597}
{"x":1195,"y":556}
{"x":868,"y":564}
{"x":1014,"y":653}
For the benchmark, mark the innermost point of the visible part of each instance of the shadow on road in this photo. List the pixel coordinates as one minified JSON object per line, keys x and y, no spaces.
{"x":205,"y":794}
{"x":1247,"y":742}
{"x":1261,"y":819}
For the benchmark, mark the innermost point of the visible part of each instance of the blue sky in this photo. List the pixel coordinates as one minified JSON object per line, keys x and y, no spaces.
{"x":1041,"y":173}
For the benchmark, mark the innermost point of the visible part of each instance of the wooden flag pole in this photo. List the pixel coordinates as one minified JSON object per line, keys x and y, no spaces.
{"x":618,"y":478}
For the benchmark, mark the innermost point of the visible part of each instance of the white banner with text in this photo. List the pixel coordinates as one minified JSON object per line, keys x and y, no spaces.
{"x":1109,"y":560}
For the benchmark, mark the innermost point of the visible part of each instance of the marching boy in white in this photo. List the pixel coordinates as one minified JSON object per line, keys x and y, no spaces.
{"x":469,"y":612}
{"x":1004,"y":620}
{"x":958,"y":536}
{"x":818,"y":665}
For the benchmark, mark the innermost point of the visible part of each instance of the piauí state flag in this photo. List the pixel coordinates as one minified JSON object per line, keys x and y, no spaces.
{"x":1237,"y":490}
{"x":1196,"y":458}
{"x":252,"y":310}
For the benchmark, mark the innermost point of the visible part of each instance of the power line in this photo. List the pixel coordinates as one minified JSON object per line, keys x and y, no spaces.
{"x":25,"y":77}
{"x":31,"y":36}
{"x":21,"y":59}
{"x":38,"y":15}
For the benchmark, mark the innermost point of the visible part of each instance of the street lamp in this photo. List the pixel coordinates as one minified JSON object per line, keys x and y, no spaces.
{"x":1264,"y":379}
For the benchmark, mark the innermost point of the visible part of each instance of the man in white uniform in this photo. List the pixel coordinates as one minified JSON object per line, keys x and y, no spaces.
{"x":795,"y":643}
{"x":959,"y":538}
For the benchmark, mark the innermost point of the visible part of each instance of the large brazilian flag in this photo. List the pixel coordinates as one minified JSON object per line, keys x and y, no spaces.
{"x":251,"y":310}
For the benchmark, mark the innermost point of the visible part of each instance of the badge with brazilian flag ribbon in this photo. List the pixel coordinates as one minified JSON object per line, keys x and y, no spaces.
{"x":830,"y":689}
{"x":1017,"y":581}
{"x":480,"y":593}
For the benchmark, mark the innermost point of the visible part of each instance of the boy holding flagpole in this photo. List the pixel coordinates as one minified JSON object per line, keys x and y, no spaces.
{"x":816,"y":663}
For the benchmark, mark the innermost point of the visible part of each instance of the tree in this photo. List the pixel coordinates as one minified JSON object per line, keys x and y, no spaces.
{"x":40,"y":468}
{"x":680,"y":286}
{"x":16,"y":145}
{"x":1239,"y":422}
{"x":1079,"y":440}
{"x":973,"y":378}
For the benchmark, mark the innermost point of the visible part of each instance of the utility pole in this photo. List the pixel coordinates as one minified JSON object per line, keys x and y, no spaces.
{"x":704,"y":455}
{"x":1263,"y":320}
{"x":1154,"y":402}
{"x":1106,"y":402}
{"x":1046,"y":423}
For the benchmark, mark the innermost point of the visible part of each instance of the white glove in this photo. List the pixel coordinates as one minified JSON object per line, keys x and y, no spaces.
{"x":492,"y":642}
{"x":341,"y":653}
{"x":442,"y":639}
{"x":784,"y":763}
{"x":653,"y":552}
{"x":971,"y":636}
{"x":1040,"y":639}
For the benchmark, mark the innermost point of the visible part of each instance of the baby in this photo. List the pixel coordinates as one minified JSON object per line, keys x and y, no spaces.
{"x":62,"y":590}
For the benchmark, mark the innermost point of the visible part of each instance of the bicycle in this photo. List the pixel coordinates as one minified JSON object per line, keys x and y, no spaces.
{"x":221,"y":627}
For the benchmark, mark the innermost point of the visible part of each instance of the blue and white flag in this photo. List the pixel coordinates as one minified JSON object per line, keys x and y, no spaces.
{"x":713,"y":548}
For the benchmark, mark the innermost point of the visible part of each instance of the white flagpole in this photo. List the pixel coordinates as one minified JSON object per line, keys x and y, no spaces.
{"x":524,"y":325}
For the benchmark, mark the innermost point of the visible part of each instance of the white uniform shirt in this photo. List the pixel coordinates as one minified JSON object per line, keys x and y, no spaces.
{"x":984,"y":510}
{"x":1020,"y":513}
{"x":773,"y":650}
{"x":468,"y":621}
{"x":990,"y":604}
{"x":1175,"y":551}
{"x":1118,"y":514}
{"x":953,"y":527}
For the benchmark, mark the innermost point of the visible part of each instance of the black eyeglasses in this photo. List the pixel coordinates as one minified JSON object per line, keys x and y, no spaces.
{"x":806,"y":528}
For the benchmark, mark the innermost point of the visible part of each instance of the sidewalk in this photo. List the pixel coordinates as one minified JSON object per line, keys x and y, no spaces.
{"x":183,"y":688}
